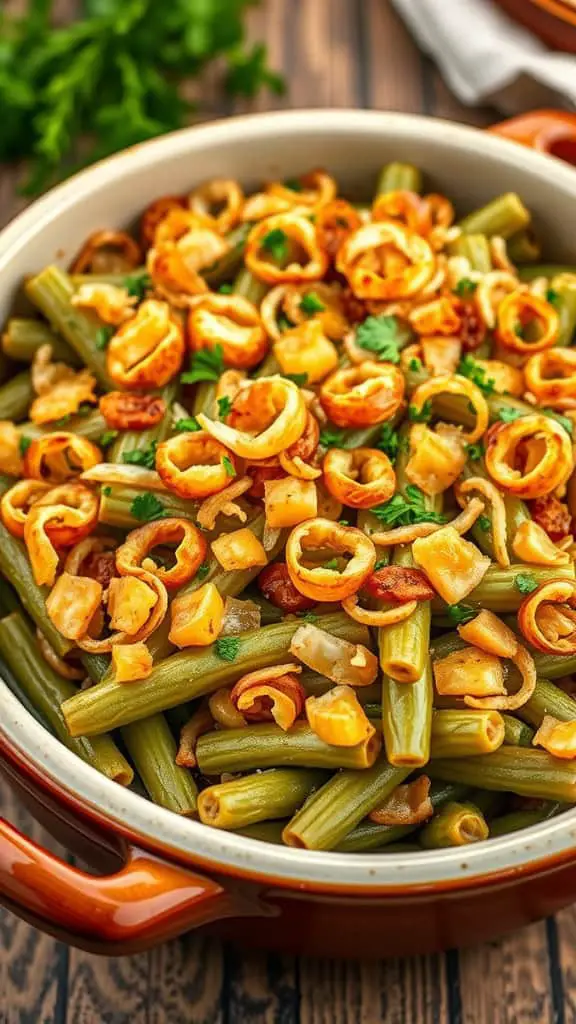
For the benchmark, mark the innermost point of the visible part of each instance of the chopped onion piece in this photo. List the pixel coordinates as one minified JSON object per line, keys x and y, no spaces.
{"x":337,"y":659}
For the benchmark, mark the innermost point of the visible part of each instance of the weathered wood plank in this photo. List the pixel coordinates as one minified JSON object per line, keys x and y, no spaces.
{"x":394,"y":73}
{"x":186,"y":982}
{"x":114,"y":991}
{"x":260,"y":989}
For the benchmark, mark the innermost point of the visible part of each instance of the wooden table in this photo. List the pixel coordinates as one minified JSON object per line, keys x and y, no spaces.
{"x":335,"y":53}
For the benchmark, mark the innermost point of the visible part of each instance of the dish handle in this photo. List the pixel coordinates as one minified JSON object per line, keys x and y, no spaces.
{"x":146,"y":902}
{"x":550,"y":131}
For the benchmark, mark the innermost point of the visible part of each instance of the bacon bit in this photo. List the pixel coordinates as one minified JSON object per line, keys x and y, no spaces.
{"x":408,"y":804}
{"x":99,"y":566}
{"x":132,"y":411}
{"x":472,"y":329}
{"x":355,"y":310}
{"x":277,"y":587}
{"x":393,"y":583}
{"x":552,"y":515}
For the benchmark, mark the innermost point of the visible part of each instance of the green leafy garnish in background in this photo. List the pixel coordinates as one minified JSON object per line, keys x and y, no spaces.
{"x":114,"y":76}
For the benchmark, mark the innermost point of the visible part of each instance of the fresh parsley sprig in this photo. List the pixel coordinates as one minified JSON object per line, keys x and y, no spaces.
{"x":379,"y":334}
{"x":227,"y":647}
{"x":145,"y":457}
{"x":404,"y":511}
{"x":468,"y":367}
{"x":206,"y":364}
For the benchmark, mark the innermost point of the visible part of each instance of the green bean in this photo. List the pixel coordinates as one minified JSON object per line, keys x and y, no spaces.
{"x":547,"y":699}
{"x":91,"y":426}
{"x":455,"y":824}
{"x":229,"y":264}
{"x":476,"y":249}
{"x":564,"y":286}
{"x":141,"y":440}
{"x":117,"y":501}
{"x":268,"y":746}
{"x":249,"y":287}
{"x":16,"y":397}
{"x":265,"y":832}
{"x":524,"y":247}
{"x":404,"y":647}
{"x":465,"y":733}
{"x":504,"y":215}
{"x":277,"y":793}
{"x":497,"y":590}
{"x":46,"y":690}
{"x":152,"y":748}
{"x":335,"y":809}
{"x":517,"y":820}
{"x":406,"y":719}
{"x":23,"y":337}
{"x":548,"y":270}
{"x":516,"y":513}
{"x":315,"y":685}
{"x":118,"y":277}
{"x":51,"y":291}
{"x":517,"y":734}
{"x":205,"y":398}
{"x":512,"y":770}
{"x":397,"y":176}
{"x":549,"y":666}
{"x":190,"y":674}
{"x":491,"y":803}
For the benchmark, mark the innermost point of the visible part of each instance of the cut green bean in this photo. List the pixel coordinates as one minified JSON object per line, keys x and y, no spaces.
{"x":265,"y":832}
{"x":474,"y":248}
{"x":370,"y":836}
{"x":153,"y":749}
{"x":514,"y":770}
{"x":229,"y":264}
{"x":46,"y":691}
{"x":23,"y":336}
{"x":277,"y":793}
{"x":269,"y":746}
{"x":517,"y":820}
{"x":563,"y":292}
{"x":548,"y":666}
{"x":407,"y":718}
{"x":91,"y":426}
{"x":455,"y":824}
{"x":335,"y":809}
{"x":547,"y":699}
{"x":404,"y":647}
{"x":397,"y":176}
{"x":498,"y":592}
{"x":51,"y":291}
{"x":190,"y":674}
{"x":117,"y":503}
{"x":516,"y":733}
{"x":249,"y":287}
{"x":16,"y":397}
{"x":548,"y":270}
{"x":505,"y":215}
{"x":458,"y":733}
{"x":524,"y":247}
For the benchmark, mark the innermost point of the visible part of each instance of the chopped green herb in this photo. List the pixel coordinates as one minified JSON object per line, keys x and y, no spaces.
{"x":227,"y":647}
{"x":508,"y":414}
{"x":300,"y":379}
{"x":484,"y":523}
{"x":553,"y":297}
{"x":381,"y":563}
{"x":107,"y":437}
{"x":227,"y":463}
{"x":188,"y":423}
{"x":82,"y":410}
{"x":468,"y":367}
{"x":146,"y":507}
{"x":525,"y":582}
{"x":107,"y":491}
{"x":331,"y":564}
{"x":465,"y":288}
{"x":293,"y":184}
{"x":24,"y":444}
{"x":388,"y":441}
{"x":276,"y":243}
{"x":423,"y":415}
{"x":206,"y":364}
{"x":203,"y":571}
{"x":332,"y":438}
{"x":404,"y":511}
{"x":564,"y":421}
{"x":344,"y":522}
{"x":224,"y":406}
{"x":138,"y":284}
{"x":415,"y":364}
{"x":308,"y":617}
{"x":103,"y":335}
{"x":226,"y":289}
{"x":145,"y":457}
{"x":460,"y":613}
{"x":284,"y":324}
{"x":519,"y":329}
{"x":311,"y":304}
{"x":379,"y":334}
{"x":474,"y":451}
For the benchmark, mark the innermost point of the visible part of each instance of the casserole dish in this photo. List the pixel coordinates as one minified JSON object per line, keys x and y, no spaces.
{"x":168,"y":874}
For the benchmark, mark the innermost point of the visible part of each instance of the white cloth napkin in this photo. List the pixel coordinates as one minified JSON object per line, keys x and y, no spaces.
{"x":485,"y":57}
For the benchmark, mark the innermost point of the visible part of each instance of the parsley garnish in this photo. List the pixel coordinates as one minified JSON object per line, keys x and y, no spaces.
{"x":474,"y":451}
{"x":276,"y":243}
{"x":24,"y":444}
{"x":311,"y":304}
{"x":147,"y":507}
{"x":138,"y":284}
{"x":459,"y":613}
{"x":564,"y":421}
{"x":331,"y":564}
{"x":404,"y":511}
{"x":103,"y":335}
{"x":83,"y":410}
{"x":227,"y":647}
{"x":107,"y":437}
{"x":388,"y":441}
{"x":519,"y":329}
{"x":415,"y":364}
{"x":227,"y":463}
{"x":379,"y":334}
{"x":508,"y":414}
{"x":380,"y":564}
{"x":188,"y":423}
{"x":107,"y":491}
{"x":552,"y":297}
{"x":284,"y":324}
{"x":484,"y":523}
{"x":203,"y":571}
{"x":224,"y":406}
{"x":331,"y":438}
{"x":423,"y":415}
{"x":300,"y":379}
{"x":465,"y":288}
{"x":206,"y":364}
{"x":145,"y":457}
{"x":308,"y":617}
{"x":468,"y":367}
{"x":525,"y":582}
{"x":226,"y":289}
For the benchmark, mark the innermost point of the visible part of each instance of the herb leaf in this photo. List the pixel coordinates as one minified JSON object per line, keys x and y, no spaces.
{"x":187,"y":423}
{"x":107,"y":437}
{"x":206,"y":364}
{"x":227,"y":647}
{"x":468,"y":367}
{"x":331,"y":564}
{"x":138,"y":284}
{"x":404,"y":511}
{"x":460,"y":613}
{"x":475,"y":451}
{"x":508,"y":414}
{"x":24,"y":444}
{"x":423,"y":415}
{"x":379,"y":334}
{"x":145,"y":457}
{"x":311,"y":304}
{"x":227,"y":463}
{"x":552,"y":297}
{"x":224,"y":406}
{"x":525,"y":582}
{"x":465,"y":288}
{"x":276,"y":243}
{"x":146,"y":507}
{"x":203,"y":571}
{"x":300,"y":379}
{"x":388,"y":442}
{"x":103,"y":336}
{"x":332,"y":438}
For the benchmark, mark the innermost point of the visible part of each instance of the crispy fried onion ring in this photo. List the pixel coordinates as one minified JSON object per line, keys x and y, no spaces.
{"x":334,"y":223}
{"x":547,"y":617}
{"x":550,"y":457}
{"x":298,"y":232}
{"x":194,"y":465}
{"x":189,"y":553}
{"x":521,"y":314}
{"x":406,"y":534}
{"x":58,"y":456}
{"x":400,"y":206}
{"x":16,"y":503}
{"x":220,"y":198}
{"x":296,"y":459}
{"x":156,"y":212}
{"x":382,"y":617}
{"x":408,"y":804}
{"x":60,"y":390}
{"x":386,"y":261}
{"x":270,"y":695}
{"x":361,"y":396}
{"x":61,"y":517}
{"x":316,"y":189}
{"x":455,"y":385}
{"x":191,"y":732}
{"x":111,"y":304}
{"x":318,"y":582}
{"x":63,"y":668}
{"x":498,"y":524}
{"x":361,"y":478}
{"x":10,"y":456}
{"x":172,"y":279}
{"x":232,"y":322}
{"x":107,"y":252}
{"x":125,"y":411}
{"x":510,"y":702}
{"x":551,"y":377}
{"x":147,"y":350}
{"x":223,"y":503}
{"x":284,"y":420}
{"x":439,"y":316}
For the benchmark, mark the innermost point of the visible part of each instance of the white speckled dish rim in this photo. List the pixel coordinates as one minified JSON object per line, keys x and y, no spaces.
{"x":152,"y":824}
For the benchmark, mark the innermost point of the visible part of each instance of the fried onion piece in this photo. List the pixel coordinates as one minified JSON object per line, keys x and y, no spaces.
{"x":270,"y":695}
{"x":107,"y":252}
{"x":382,"y":260}
{"x":552,"y":450}
{"x":190,"y":551}
{"x":147,"y":350}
